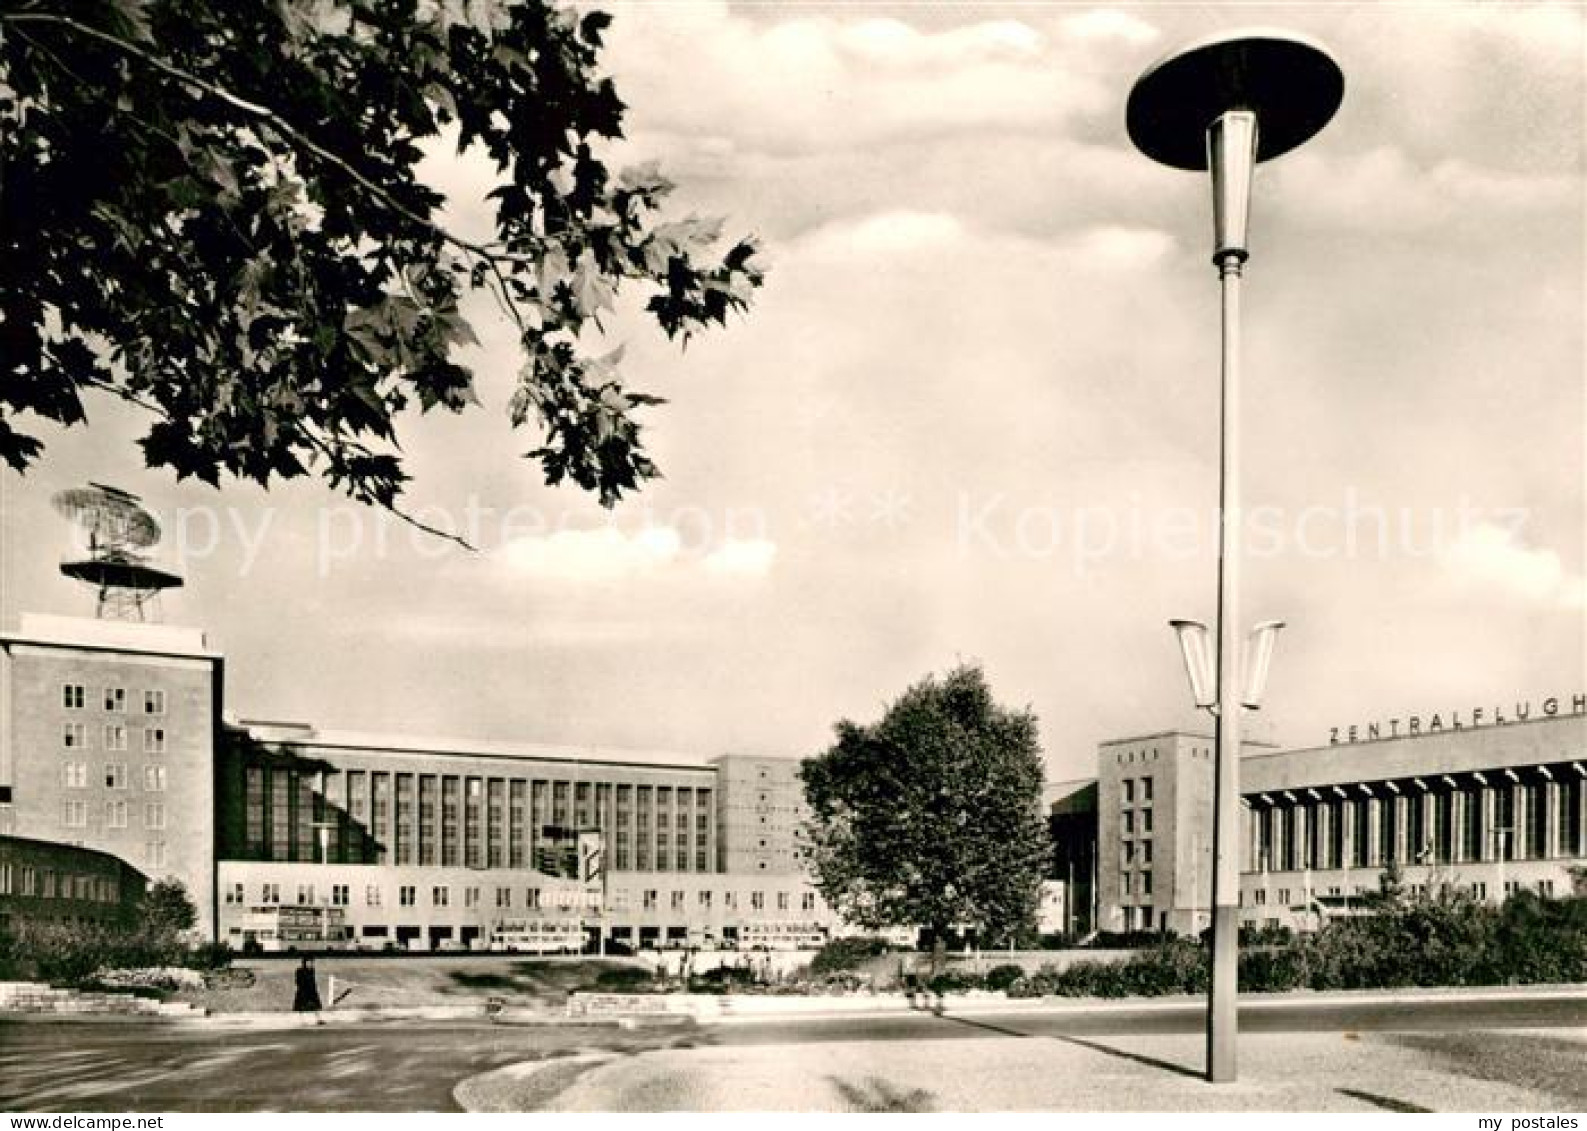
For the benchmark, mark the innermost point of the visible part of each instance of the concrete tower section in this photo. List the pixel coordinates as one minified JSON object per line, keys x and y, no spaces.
{"x":107,"y":741}
{"x":1154,"y":832}
{"x":760,"y":806}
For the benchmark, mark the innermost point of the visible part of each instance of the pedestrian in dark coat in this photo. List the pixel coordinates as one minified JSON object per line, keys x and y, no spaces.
{"x":307,"y":997}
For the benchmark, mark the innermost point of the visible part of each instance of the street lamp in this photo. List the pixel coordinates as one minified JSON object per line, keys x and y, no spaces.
{"x":1224,"y":104}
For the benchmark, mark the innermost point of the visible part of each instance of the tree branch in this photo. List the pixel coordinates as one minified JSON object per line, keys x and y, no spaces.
{"x":277,"y":123}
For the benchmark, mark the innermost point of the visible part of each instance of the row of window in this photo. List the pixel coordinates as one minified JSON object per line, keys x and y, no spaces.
{"x":1477,"y":889}
{"x":74,"y":775}
{"x":74,"y":736}
{"x":1137,"y":789}
{"x":74,"y":697}
{"x":74,"y":814}
{"x":47,"y":883}
{"x":1136,"y":883}
{"x":1137,"y":821}
{"x":1134,"y":850}
{"x":440,"y":895}
{"x":377,"y":816}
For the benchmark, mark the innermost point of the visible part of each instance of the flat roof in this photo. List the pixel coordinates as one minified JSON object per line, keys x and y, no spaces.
{"x":138,"y":637}
{"x":303,"y":734}
{"x":1197,"y":735}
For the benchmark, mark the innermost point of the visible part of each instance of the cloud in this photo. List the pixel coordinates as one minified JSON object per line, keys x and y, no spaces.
{"x":1383,"y":190}
{"x":742,"y":558}
{"x":1108,"y":24}
{"x":654,"y":551}
{"x":1490,"y":556}
{"x":818,"y":82}
{"x":593,"y":555}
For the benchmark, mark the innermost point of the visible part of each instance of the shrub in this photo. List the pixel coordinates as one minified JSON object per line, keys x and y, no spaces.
{"x":954,"y":982}
{"x":1123,"y":940}
{"x":623,"y":978}
{"x":847,"y":954}
{"x":211,"y":956}
{"x":1004,"y":976}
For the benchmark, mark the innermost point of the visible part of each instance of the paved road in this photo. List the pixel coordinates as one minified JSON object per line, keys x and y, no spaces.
{"x":1301,"y":1016}
{"x":143,"y":1066}
{"x":150,"y":1066}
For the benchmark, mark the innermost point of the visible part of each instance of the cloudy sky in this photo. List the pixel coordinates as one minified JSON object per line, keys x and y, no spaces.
{"x":972,"y":415}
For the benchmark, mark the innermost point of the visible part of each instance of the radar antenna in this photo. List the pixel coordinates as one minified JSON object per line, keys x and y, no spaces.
{"x":118,"y":528}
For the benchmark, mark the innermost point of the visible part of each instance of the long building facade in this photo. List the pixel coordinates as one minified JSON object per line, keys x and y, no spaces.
{"x":1491,"y":809}
{"x":112,"y":738}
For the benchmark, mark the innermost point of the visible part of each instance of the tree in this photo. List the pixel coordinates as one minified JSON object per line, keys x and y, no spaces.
{"x":931,"y":817}
{"x":214,"y":210}
{"x":165,"y":911}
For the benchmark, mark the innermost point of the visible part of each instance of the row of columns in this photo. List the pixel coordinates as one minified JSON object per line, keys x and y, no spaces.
{"x":1312,"y":818}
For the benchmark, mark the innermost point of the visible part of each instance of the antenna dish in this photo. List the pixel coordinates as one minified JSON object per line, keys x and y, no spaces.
{"x":118,"y":527}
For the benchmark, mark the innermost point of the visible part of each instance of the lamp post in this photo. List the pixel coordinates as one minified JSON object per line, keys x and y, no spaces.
{"x":1223,"y":104}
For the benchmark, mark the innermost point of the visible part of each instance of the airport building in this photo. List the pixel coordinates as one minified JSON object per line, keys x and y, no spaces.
{"x":1491,"y":801}
{"x":112,"y":739}
{"x":114,"y":746}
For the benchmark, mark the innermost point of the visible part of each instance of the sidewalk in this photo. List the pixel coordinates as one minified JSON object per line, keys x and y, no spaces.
{"x":1288,"y":1072}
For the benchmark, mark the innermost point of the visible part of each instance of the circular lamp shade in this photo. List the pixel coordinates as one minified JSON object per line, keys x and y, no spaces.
{"x":1291,"y":83}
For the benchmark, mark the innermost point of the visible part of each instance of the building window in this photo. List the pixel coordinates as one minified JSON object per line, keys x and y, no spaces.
{"x":305,"y":895}
{"x":782,"y":901}
{"x":1129,"y":823}
{"x":154,"y":779}
{"x":807,"y":901}
{"x":115,"y":698}
{"x":74,"y":775}
{"x":1545,"y":888}
{"x":1124,"y":881}
{"x":440,"y":896}
{"x":72,"y":696}
{"x":115,"y":814}
{"x":270,"y":893}
{"x":504,"y":897}
{"x":1129,"y":791}
{"x":1146,"y":789}
{"x":154,"y":815}
{"x":154,"y":702}
{"x":154,"y":740}
{"x":74,"y":815}
{"x":648,"y":902}
{"x":1479,"y":891}
{"x":74,"y":736}
{"x":115,"y":736}
{"x":1146,"y":820}
{"x":115,"y":775}
{"x":531,"y":897}
{"x":705,"y":900}
{"x":677,"y":901}
{"x":341,"y":895}
{"x":1283,"y":895}
{"x":1259,"y":896}
{"x":233,"y":894}
{"x":1146,"y":883}
{"x":1146,"y":852}
{"x":757,"y":901}
{"x":470,"y":897}
{"x":372,"y":895}
{"x":407,"y":895}
{"x":730,"y":900}
{"x":1129,"y":853}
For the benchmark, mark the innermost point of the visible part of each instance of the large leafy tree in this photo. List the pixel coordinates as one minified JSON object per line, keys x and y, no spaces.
{"x":214,"y":208}
{"x":932,"y":816}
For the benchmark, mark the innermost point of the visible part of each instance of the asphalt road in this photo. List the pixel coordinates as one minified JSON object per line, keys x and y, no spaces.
{"x":152,"y":1066}
{"x":1426,"y":1015}
{"x":144,"y":1066}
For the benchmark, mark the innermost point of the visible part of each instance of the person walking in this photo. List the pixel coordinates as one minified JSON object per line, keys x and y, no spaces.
{"x":306,"y":999}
